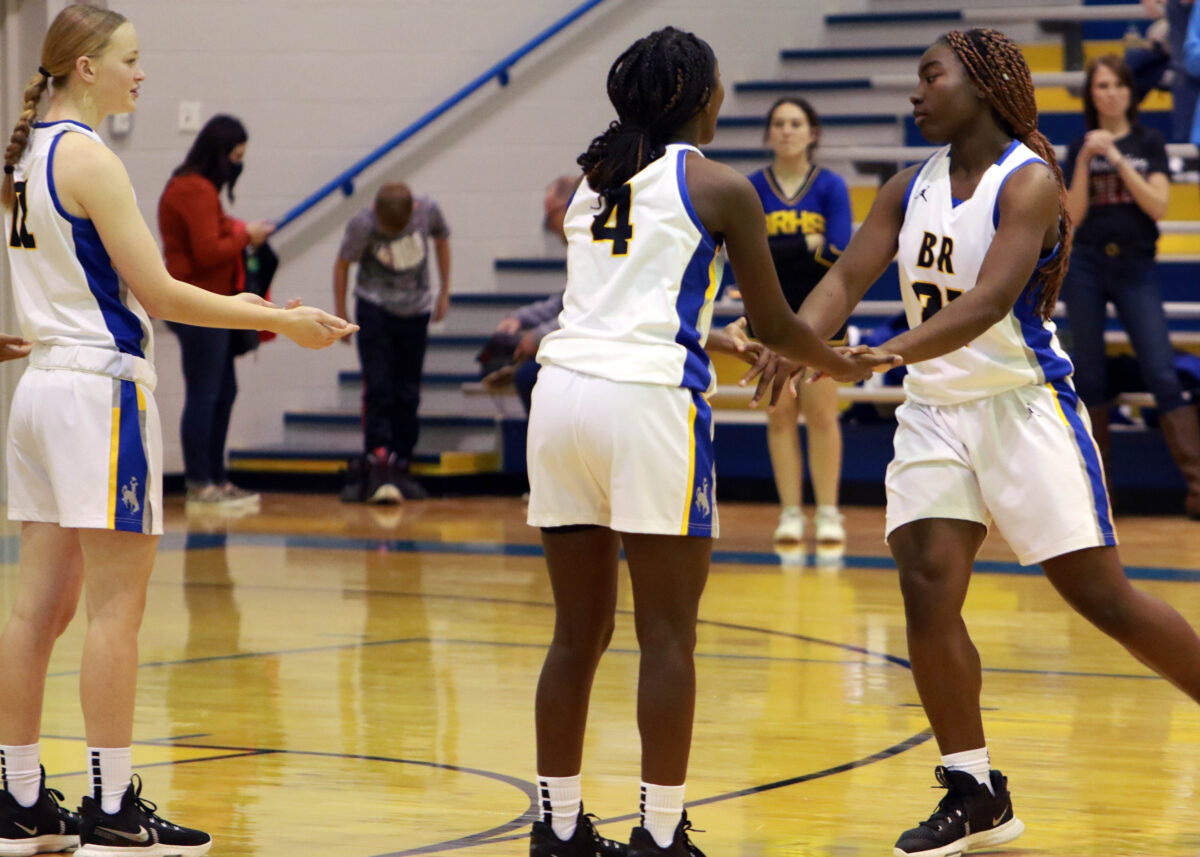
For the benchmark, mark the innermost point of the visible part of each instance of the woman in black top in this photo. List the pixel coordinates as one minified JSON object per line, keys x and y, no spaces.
{"x":1118,"y":190}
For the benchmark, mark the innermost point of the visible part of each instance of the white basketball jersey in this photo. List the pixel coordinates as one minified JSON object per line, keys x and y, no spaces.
{"x":70,"y":302}
{"x":942,"y":245}
{"x":642,"y":273}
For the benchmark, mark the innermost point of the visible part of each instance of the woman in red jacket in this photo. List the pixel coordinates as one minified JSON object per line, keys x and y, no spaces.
{"x":203,"y":246}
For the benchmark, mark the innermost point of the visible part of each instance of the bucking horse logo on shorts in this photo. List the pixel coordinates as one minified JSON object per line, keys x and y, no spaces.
{"x":702,"y":498}
{"x":129,"y":496}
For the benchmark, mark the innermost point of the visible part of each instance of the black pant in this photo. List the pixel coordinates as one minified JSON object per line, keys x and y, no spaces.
{"x":391,"y":350}
{"x":210,"y":386}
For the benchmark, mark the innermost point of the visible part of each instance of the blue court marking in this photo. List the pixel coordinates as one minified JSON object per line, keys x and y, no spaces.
{"x":181,"y":541}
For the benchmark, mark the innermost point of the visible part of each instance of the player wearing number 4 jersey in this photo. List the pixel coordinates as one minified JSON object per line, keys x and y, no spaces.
{"x":84,"y":447}
{"x":992,"y":431}
{"x":620,"y":432}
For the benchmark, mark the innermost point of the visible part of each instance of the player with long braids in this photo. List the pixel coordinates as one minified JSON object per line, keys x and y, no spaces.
{"x":992,"y":430}
{"x":620,"y":432}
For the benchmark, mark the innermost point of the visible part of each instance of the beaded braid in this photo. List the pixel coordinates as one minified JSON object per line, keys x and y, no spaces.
{"x":20,"y":136}
{"x":997,"y":66}
{"x":659,"y":83}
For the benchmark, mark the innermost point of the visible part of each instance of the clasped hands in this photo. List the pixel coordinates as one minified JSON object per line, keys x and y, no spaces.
{"x":775,"y":374}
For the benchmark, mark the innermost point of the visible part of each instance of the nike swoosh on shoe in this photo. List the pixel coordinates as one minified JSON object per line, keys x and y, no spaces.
{"x":32,"y":831}
{"x":143,"y":835}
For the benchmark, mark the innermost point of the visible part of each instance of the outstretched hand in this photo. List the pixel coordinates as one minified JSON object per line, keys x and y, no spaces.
{"x":310,"y":327}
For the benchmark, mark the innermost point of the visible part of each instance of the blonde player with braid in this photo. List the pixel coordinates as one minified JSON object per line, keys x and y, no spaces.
{"x":992,"y":430}
{"x":84,"y":448}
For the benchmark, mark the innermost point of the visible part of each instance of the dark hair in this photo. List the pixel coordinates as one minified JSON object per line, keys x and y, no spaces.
{"x":657,"y":85}
{"x":1124,"y":74}
{"x":394,"y":206}
{"x":209,"y":155}
{"x":810,"y":113}
{"x":996,"y":65}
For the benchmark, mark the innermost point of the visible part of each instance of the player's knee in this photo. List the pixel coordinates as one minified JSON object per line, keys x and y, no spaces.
{"x":666,"y":637}
{"x":586,"y":641}
{"x":923,"y":585}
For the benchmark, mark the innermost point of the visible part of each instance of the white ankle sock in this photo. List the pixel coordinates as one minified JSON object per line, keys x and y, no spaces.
{"x":562,"y":798}
{"x":112,"y":771}
{"x":977,"y":763}
{"x":21,"y":770}
{"x":662,"y":808}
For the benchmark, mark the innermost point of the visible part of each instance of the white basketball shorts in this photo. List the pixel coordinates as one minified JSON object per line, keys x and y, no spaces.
{"x":637,"y":458}
{"x":84,"y":450}
{"x":1024,"y":459}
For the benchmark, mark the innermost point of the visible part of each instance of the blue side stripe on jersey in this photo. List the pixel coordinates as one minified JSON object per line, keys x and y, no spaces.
{"x":1004,"y":181}
{"x":704,"y":481}
{"x":133,"y":470}
{"x":122,"y":323}
{"x":1033,"y":330}
{"x":681,"y":176}
{"x":1069,"y":402}
{"x":693,"y":291}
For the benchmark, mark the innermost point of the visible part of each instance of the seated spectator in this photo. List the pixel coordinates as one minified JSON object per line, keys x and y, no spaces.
{"x":535,"y":320}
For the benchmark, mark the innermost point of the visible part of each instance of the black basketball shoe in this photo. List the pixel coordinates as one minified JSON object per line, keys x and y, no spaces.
{"x":642,"y":844}
{"x":37,"y":829}
{"x":584,"y":842}
{"x":967,"y":817}
{"x":135,"y":830}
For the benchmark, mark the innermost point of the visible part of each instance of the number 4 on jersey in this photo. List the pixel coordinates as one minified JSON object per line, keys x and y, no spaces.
{"x":612,"y":223}
{"x":20,"y":237}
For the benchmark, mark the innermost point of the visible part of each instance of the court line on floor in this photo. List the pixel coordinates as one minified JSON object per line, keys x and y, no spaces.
{"x":504,"y":832}
{"x":182,"y":541}
{"x":752,"y":629}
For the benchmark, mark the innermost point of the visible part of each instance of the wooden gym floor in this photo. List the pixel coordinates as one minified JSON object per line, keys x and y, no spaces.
{"x":339,"y":680}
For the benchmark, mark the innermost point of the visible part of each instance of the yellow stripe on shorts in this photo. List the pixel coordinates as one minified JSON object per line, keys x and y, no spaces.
{"x":687,"y":498}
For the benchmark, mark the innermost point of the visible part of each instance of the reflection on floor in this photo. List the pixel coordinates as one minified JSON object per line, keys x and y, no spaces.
{"x":343,"y":680}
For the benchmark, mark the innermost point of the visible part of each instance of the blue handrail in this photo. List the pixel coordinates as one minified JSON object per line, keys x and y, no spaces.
{"x":345,"y":181}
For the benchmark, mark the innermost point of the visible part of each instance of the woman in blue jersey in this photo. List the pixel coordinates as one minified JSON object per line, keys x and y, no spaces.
{"x":84,"y":451}
{"x":620,"y":431}
{"x":992,"y":431}
{"x":808,"y":224}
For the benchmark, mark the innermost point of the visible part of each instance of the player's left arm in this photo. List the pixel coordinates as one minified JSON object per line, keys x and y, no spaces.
{"x":1028,"y":214}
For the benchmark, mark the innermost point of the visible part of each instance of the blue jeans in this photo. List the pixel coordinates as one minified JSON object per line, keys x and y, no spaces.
{"x":1129,"y":283}
{"x":210,"y":386}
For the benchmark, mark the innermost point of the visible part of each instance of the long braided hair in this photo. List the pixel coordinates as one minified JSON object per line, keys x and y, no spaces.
{"x":996,"y":65}
{"x":658,"y":84}
{"x":78,"y":30}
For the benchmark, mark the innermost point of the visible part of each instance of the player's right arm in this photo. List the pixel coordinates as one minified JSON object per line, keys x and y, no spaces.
{"x":866,"y":257}
{"x":92,"y":183}
{"x":729,"y":207}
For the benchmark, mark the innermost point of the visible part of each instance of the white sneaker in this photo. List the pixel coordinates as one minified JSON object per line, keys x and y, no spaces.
{"x":791,"y":526}
{"x":829,"y":524}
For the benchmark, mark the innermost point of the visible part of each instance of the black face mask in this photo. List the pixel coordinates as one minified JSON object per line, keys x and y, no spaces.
{"x":232,"y":171}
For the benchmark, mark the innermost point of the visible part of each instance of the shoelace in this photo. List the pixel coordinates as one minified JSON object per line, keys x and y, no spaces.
{"x":58,"y":797}
{"x":684,"y":828}
{"x":940,"y":813}
{"x":148,"y":806}
{"x":605,"y":844}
